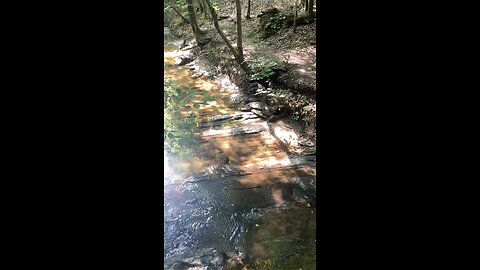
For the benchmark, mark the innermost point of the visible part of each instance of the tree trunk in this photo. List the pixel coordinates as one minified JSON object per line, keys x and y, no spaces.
{"x":306,"y":5}
{"x":310,"y":8}
{"x":205,"y":12}
{"x":197,"y":33}
{"x":243,"y":64}
{"x":239,"y":31}
{"x":295,"y":18}
{"x":248,"y":10}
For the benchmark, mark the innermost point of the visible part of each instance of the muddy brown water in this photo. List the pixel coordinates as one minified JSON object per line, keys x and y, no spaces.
{"x":239,"y":202}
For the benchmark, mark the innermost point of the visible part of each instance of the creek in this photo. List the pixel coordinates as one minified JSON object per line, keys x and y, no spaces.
{"x":235,"y":199}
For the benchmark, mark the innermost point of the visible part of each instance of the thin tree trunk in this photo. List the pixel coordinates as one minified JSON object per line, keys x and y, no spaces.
{"x":205,"y":12}
{"x":197,"y":33}
{"x":248,"y":10}
{"x":295,"y":18}
{"x":310,"y":7}
{"x":306,"y":5}
{"x":239,"y":31}
{"x":243,"y":64}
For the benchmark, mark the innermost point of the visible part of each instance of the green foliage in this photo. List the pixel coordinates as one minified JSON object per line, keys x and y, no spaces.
{"x":273,"y":24}
{"x":295,"y":116}
{"x":263,"y":68}
{"x":303,"y":114}
{"x":179,"y":129}
{"x":215,"y":4}
{"x":251,"y":37}
{"x":306,"y":117}
{"x":181,"y":6}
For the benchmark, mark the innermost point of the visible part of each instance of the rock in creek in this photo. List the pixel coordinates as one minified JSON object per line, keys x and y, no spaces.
{"x":306,"y":143}
{"x":242,"y":130}
{"x":221,"y":118}
{"x":238,"y":116}
{"x":197,"y":75}
{"x":259,"y":108}
{"x":258,"y":105}
{"x":247,"y":130}
{"x":206,"y":259}
{"x":262,"y":114}
{"x":184,"y":59}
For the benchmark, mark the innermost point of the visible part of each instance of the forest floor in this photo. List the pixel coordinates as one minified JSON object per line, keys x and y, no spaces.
{"x":294,"y":87}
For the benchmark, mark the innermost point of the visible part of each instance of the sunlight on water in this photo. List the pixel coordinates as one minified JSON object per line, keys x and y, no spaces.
{"x":166,"y":168}
{"x":236,"y":188}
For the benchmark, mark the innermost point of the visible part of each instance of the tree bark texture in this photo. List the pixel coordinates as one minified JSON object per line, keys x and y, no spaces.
{"x":239,"y":31}
{"x":193,"y":22}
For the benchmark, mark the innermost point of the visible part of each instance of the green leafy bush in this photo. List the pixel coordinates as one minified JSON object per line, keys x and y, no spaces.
{"x":263,"y":68}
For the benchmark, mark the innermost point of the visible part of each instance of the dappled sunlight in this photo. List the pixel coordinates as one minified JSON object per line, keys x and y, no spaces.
{"x":286,"y":134}
{"x":237,"y":191}
{"x":206,"y":85}
{"x":249,"y":152}
{"x":171,"y":54}
{"x":213,"y":109}
{"x":167,"y":172}
{"x":298,"y":57}
{"x":277,"y":195}
{"x":239,"y":184}
{"x":259,"y":155}
{"x":189,"y":166}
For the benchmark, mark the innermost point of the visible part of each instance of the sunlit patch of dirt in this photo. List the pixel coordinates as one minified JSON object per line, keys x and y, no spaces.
{"x":278,"y":196}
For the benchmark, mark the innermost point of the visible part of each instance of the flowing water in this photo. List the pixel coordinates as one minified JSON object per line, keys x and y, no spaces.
{"x":238,"y":200}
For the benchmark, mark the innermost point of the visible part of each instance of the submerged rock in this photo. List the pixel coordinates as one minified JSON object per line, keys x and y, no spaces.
{"x":205,"y":259}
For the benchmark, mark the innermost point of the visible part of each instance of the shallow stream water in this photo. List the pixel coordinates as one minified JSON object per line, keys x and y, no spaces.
{"x":239,"y":201}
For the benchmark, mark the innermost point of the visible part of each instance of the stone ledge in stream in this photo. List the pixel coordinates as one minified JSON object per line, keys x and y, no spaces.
{"x":237,"y":116}
{"x":242,"y":130}
{"x":184,"y":58}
